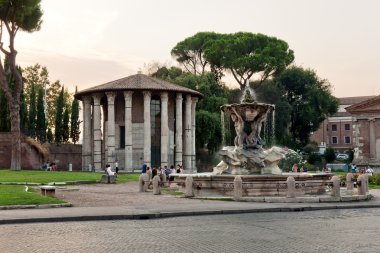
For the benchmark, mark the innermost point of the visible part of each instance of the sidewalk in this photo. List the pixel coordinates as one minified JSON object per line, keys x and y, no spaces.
{"x":123,"y":201}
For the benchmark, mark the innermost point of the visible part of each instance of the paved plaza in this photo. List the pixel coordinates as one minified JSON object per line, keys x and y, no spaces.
{"x":316,"y":231}
{"x":123,"y":201}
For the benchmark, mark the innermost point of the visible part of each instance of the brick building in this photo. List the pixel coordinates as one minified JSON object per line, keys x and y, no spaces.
{"x":356,"y":126}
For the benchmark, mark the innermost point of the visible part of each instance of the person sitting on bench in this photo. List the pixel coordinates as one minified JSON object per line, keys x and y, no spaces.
{"x":109,"y":171}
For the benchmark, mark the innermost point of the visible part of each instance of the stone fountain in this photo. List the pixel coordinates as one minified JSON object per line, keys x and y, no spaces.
{"x":248,"y":156}
{"x":256,"y":166}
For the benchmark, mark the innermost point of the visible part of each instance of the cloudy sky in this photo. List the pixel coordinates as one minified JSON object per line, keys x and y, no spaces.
{"x":90,"y":42}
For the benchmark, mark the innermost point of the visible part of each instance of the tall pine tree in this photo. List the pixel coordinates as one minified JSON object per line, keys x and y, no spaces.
{"x":75,"y":123}
{"x":5,"y":123}
{"x":65,"y":126}
{"x":49,"y":136}
{"x":23,"y":115}
{"x":32,"y":113}
{"x":60,"y":105}
{"x":41,"y":120}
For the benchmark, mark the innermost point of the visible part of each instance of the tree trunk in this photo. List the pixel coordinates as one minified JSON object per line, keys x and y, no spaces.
{"x":16,"y":137}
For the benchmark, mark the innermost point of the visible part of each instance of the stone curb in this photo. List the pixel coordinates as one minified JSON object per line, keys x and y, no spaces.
{"x":158,"y":215}
{"x":52,"y":183}
{"x":35,"y":206}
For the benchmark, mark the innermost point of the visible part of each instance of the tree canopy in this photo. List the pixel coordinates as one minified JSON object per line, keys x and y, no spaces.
{"x":310,"y":99}
{"x":189,"y":52}
{"x":242,"y":54}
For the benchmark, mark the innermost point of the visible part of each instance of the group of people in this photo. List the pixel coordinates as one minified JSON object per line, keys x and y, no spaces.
{"x":49,"y":166}
{"x":296,"y":169}
{"x":368,"y":170}
{"x":161,"y":171}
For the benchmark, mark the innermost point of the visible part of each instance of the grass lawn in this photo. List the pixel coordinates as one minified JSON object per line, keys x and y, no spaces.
{"x":16,"y":195}
{"x":44,"y":177}
{"x":374,"y":186}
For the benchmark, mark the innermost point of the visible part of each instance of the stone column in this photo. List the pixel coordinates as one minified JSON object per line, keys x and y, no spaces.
{"x":193,"y":155}
{"x":372,"y":139}
{"x":97,"y":133}
{"x":188,"y":149}
{"x":147,"y":140}
{"x":86,"y":147}
{"x":178,"y":129}
{"x":111,"y":128}
{"x":128,"y":130}
{"x":164,"y":129}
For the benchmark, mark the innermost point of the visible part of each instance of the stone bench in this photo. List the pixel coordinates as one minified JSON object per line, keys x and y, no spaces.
{"x":48,"y":190}
{"x":106,"y":179}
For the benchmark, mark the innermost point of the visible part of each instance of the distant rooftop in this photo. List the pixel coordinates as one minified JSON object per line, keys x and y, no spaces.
{"x":353,"y":100}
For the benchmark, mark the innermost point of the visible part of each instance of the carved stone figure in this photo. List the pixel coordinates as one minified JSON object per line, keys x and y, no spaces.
{"x":247,"y":155}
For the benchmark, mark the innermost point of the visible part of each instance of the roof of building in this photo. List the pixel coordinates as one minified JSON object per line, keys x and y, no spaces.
{"x":353,"y":100}
{"x":137,"y":82}
{"x":367,"y":105}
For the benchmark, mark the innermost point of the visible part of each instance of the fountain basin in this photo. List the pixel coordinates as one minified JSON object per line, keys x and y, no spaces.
{"x":207,"y":184}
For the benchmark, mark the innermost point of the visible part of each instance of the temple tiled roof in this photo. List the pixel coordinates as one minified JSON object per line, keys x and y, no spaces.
{"x":137,"y":82}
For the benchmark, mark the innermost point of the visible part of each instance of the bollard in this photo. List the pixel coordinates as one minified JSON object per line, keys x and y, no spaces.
{"x":156,"y":185}
{"x":366,"y":183}
{"x":349,"y":182}
{"x":70,"y":167}
{"x":336,"y":186}
{"x":291,"y":183}
{"x":164,"y":179}
{"x":189,"y":192}
{"x":361,"y":185}
{"x":146,"y":182}
{"x":238,"y":188}
{"x":141,"y":183}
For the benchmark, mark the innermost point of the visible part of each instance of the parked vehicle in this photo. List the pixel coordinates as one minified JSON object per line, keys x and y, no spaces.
{"x":341,"y":157}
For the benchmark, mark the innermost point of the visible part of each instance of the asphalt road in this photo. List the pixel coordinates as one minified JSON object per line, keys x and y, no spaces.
{"x":317,"y":231}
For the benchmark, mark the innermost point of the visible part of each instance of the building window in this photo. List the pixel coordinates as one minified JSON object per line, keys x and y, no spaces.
{"x":334,"y":140}
{"x":334,"y":127}
{"x":347,"y":139}
{"x":347,"y":127}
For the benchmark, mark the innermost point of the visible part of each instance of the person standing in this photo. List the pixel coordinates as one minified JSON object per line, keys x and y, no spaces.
{"x":154,"y":172}
{"x":295,"y":168}
{"x":116,"y":167}
{"x":143,"y":169}
{"x":369,"y":171}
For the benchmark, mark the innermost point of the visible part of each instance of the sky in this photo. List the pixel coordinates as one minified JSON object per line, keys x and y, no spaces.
{"x":91,"y":42}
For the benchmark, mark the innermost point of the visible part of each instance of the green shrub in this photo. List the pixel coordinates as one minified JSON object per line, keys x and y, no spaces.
{"x":375,"y":179}
{"x":292,"y":157}
{"x":329,"y":155}
{"x":314,"y":158}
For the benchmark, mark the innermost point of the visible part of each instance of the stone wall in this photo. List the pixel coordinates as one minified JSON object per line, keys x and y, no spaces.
{"x":31,"y":158}
{"x":64,"y":154}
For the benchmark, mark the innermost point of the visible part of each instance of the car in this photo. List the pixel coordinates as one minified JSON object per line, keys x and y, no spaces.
{"x":341,"y":157}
